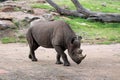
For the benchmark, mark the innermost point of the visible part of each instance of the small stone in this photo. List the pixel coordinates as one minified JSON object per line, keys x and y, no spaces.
{"x":97,"y":38}
{"x":3,"y":71}
{"x":27,"y":9}
{"x":104,"y":4}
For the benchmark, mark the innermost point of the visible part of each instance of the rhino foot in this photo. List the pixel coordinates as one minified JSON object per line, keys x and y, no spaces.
{"x":59,"y":62}
{"x":66,"y":64}
{"x":34,"y":60}
{"x":30,"y":56}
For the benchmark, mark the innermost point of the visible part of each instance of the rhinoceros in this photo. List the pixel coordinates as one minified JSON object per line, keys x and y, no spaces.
{"x":55,"y":34}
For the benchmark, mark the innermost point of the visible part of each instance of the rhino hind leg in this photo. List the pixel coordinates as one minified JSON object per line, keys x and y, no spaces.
{"x":32,"y":45}
{"x":60,"y":51}
{"x":58,"y":59}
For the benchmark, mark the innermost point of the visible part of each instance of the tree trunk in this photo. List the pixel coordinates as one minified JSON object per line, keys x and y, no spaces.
{"x":82,"y":12}
{"x":64,"y":11}
{"x":80,"y":9}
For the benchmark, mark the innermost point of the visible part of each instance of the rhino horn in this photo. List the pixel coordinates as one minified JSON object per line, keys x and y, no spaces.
{"x":84,"y":56}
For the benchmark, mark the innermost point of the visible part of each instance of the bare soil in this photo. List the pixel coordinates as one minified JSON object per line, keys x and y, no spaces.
{"x":102,"y":63}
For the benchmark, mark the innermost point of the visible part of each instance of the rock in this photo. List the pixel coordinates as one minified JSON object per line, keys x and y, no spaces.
{"x":21,"y":33}
{"x":30,"y":19}
{"x":10,"y":6}
{"x":48,"y":17}
{"x":5,"y":24}
{"x":55,"y":14}
{"x":7,"y":33}
{"x":39,"y":11}
{"x":7,"y":9}
{"x":2,"y":0}
{"x":27,"y":9}
{"x":104,"y":4}
{"x":3,"y":27}
{"x":5,"y":17}
{"x":44,"y":17}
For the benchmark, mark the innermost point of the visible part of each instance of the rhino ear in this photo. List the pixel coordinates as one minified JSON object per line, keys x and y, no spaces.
{"x":80,"y":37}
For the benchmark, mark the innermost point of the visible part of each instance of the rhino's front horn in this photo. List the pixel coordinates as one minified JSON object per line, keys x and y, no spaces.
{"x":84,"y":56}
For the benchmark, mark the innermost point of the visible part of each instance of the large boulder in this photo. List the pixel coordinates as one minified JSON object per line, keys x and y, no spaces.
{"x":5,"y":24}
{"x":38,"y":11}
{"x":10,"y":6}
{"x":2,"y":0}
{"x":7,"y":9}
{"x":7,"y":33}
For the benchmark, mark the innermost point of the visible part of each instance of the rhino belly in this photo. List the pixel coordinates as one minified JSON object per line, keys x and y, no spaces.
{"x":43,"y":40}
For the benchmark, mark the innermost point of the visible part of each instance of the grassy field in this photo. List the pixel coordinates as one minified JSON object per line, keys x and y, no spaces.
{"x":91,"y":31}
{"x":95,"y":32}
{"x":112,"y":6}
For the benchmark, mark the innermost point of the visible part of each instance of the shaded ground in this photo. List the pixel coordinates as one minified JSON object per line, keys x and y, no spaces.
{"x":102,"y":63}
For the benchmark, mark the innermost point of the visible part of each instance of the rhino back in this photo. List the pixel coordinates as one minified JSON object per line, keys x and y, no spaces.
{"x":51,"y":33}
{"x":42,"y":33}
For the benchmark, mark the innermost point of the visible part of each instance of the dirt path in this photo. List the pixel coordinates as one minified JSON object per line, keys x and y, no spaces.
{"x":102,"y":63}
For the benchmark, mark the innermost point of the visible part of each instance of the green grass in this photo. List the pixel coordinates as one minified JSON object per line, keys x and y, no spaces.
{"x":6,"y":40}
{"x":93,"y":5}
{"x":42,"y":6}
{"x":94,"y":32}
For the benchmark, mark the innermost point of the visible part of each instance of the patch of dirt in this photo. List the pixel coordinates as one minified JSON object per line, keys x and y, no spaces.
{"x":102,"y":63}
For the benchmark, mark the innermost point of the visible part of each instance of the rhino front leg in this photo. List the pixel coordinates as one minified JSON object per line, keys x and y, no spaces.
{"x":58,"y":59}
{"x":60,"y":51}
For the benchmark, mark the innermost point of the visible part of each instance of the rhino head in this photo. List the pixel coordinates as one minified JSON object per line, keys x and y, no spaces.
{"x":74,"y":50}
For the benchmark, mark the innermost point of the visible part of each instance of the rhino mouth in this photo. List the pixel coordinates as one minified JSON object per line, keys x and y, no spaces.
{"x":78,"y":62}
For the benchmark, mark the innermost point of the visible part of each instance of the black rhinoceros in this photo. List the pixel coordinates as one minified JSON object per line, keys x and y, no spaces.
{"x":55,"y":34}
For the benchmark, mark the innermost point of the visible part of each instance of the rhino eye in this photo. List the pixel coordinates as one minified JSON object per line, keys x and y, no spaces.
{"x":73,"y":54}
{"x":73,"y":39}
{"x":80,"y":52}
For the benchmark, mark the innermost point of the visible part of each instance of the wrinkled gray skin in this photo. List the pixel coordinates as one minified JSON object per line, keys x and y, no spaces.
{"x":54,"y":34}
